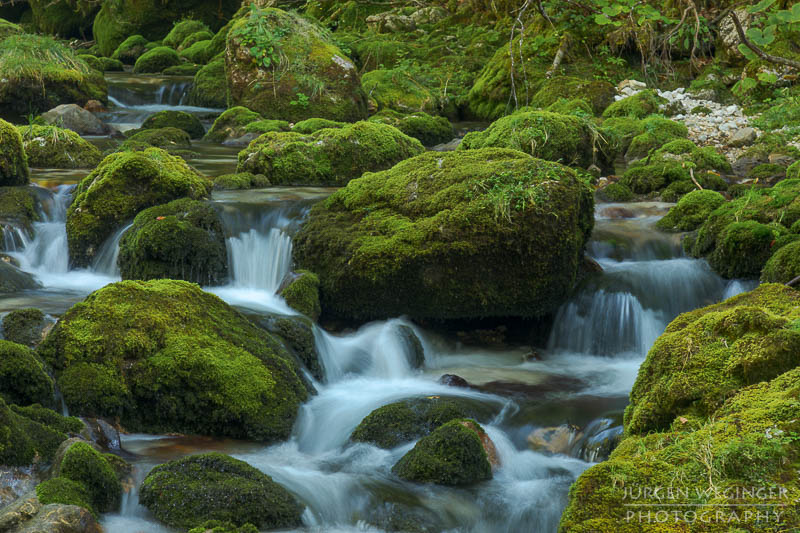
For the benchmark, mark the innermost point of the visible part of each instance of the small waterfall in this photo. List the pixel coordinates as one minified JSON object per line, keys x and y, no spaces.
{"x":47,"y":252}
{"x":106,"y":260}
{"x":167,"y":94}
{"x":14,"y":238}
{"x":260,"y":261}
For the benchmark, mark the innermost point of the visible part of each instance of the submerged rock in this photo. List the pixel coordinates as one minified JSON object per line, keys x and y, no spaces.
{"x":472,"y":233}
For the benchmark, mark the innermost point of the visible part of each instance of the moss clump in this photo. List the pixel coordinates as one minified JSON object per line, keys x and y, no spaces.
{"x":23,"y":380}
{"x":186,"y":69}
{"x":189,"y":491}
{"x":41,"y":74}
{"x":209,"y":88}
{"x":24,"y":326}
{"x":784,"y":265}
{"x":405,"y":421}
{"x":64,"y":18}
{"x":13,"y":160}
{"x":425,"y":128}
{"x":231,"y":124}
{"x":615,"y":192}
{"x":297,"y":333}
{"x":241,"y":180}
{"x":166,"y":138}
{"x":199,"y":52}
{"x":261,"y":127}
{"x":69,"y":425}
{"x":9,"y":28}
{"x":434,"y":231}
{"x":691,"y":211}
{"x":542,"y":134}
{"x":18,"y":205}
{"x":122,"y":185}
{"x":22,"y":438}
{"x":620,"y":131}
{"x":598,"y":94}
{"x":310,"y":125}
{"x":175,"y":119}
{"x":102,"y":64}
{"x":302,"y":294}
{"x":86,"y":466}
{"x":194,"y":38}
{"x":639,"y":105}
{"x":329,"y":156}
{"x":156,"y":60}
{"x":52,"y":147}
{"x":183,"y":239}
{"x":64,"y":491}
{"x":793,"y":172}
{"x":658,"y":132}
{"x":397,"y":90}
{"x":743,"y":248}
{"x":182,"y":30}
{"x":164,"y":356}
{"x":452,"y":455}
{"x":218,"y":526}
{"x":130,"y":49}
{"x":317,"y":79}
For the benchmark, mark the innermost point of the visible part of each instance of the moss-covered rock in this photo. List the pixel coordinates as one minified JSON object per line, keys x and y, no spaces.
{"x":397,"y":90}
{"x":42,"y":73}
{"x":427,"y":129}
{"x":407,"y":420}
{"x":18,"y":206}
{"x":297,"y":333}
{"x":231,"y":124}
{"x":209,"y":88}
{"x":328,"y":156}
{"x":184,"y":69}
{"x":24,"y":326}
{"x":784,"y":265}
{"x":317,"y":79}
{"x":427,"y":236}
{"x":598,"y":94}
{"x":23,"y":380}
{"x":199,"y":52}
{"x":52,"y":147}
{"x":183,"y":239}
{"x":13,"y":160}
{"x":26,"y":433}
{"x":793,"y":172}
{"x":452,"y":455}
{"x":64,"y":491}
{"x":639,"y":105}
{"x":189,"y":491}
{"x":302,"y":294}
{"x":13,"y":280}
{"x":219,"y":526}
{"x":102,"y":64}
{"x":169,"y":139}
{"x":615,"y":192}
{"x":156,"y":60}
{"x":164,"y":356}
{"x":64,"y":18}
{"x":241,"y":180}
{"x":86,"y":466}
{"x":122,"y":185}
{"x":175,"y":119}
{"x":8,"y":28}
{"x":656,"y":133}
{"x":310,"y":125}
{"x":743,"y":248}
{"x":182,"y":30}
{"x":691,"y":211}
{"x":130,"y":49}
{"x":194,"y":38}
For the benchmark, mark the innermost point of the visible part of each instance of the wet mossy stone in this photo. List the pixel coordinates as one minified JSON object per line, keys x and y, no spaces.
{"x":598,"y":94}
{"x":164,"y":357}
{"x":452,"y":455}
{"x":427,"y":129}
{"x":743,"y":248}
{"x":192,"y":490}
{"x":691,"y":211}
{"x":329,"y":156}
{"x":182,"y":30}
{"x":52,"y":147}
{"x":408,"y":420}
{"x":23,"y":437}
{"x":615,"y":192}
{"x":13,"y":161}
{"x":784,"y":265}
{"x":23,"y":379}
{"x":194,"y":38}
{"x":318,"y":79}
{"x":219,"y":526}
{"x":310,"y":125}
{"x":744,"y":340}
{"x":41,"y":74}
{"x":656,"y":133}
{"x":24,"y":326}
{"x":122,"y":185}
{"x":64,"y":18}
{"x":103,"y":64}
{"x":231,"y":124}
{"x":563,"y":138}
{"x":186,"y":69}
{"x":18,"y":206}
{"x":640,"y":105}
{"x":397,"y":90}
{"x":302,"y":294}
{"x":297,"y":333}
{"x":156,"y":60}
{"x":210,"y":88}
{"x":241,"y":180}
{"x":425,"y":237}
{"x":199,"y":53}
{"x":130,"y":49}
{"x":86,"y":466}
{"x":13,"y":279}
{"x":64,"y":491}
{"x":175,"y":119}
{"x":166,"y":138}
{"x":183,"y":239}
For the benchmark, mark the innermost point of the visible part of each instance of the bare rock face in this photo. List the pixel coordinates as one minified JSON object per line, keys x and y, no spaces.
{"x":729,"y":36}
{"x":74,"y":117}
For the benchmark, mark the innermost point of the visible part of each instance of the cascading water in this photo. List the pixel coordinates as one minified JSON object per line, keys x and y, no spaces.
{"x":260,"y":261}
{"x":106,"y":260}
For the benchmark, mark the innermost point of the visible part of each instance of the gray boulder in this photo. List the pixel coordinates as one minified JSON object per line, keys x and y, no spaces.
{"x":74,"y":117}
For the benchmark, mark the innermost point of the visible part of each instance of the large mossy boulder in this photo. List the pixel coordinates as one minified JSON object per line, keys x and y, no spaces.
{"x":28,"y":432}
{"x":597,"y":93}
{"x":452,"y":455}
{"x":714,"y":410}
{"x":396,"y":90}
{"x":427,"y":129}
{"x":23,"y":379}
{"x":784,"y":265}
{"x":474,"y":233}
{"x":130,"y":49}
{"x":329,"y":156}
{"x":87,"y":467}
{"x":691,"y":211}
{"x":13,"y":161}
{"x":181,"y":30}
{"x":41,"y":73}
{"x":231,"y":124}
{"x":164,"y":356}
{"x":183,"y":239}
{"x":64,"y":18}
{"x":316,"y":78}
{"x":122,"y":185}
{"x":639,"y":105}
{"x":210,"y":88}
{"x":156,"y":60}
{"x":170,"y":139}
{"x":175,"y":119}
{"x":53,"y":147}
{"x":192,"y":490}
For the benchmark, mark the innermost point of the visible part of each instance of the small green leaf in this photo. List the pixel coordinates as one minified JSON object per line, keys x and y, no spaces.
{"x":767,"y":77}
{"x":748,"y":84}
{"x":686,"y":42}
{"x":747,"y":53}
{"x":602,"y":20}
{"x":761,"y":6}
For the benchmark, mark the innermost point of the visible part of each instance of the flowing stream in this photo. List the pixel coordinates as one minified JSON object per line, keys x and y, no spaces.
{"x":582,"y":378}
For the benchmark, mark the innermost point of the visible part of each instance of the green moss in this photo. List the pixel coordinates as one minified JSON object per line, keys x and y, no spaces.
{"x":231,"y":124}
{"x":241,"y":180}
{"x":186,"y":69}
{"x":182,"y":30}
{"x":302,"y":294}
{"x":189,"y":491}
{"x":52,"y":147}
{"x":156,"y":60}
{"x":328,"y":156}
{"x":297,"y":333}
{"x":427,"y":129}
{"x":122,"y":185}
{"x":199,"y":52}
{"x":24,"y":326}
{"x":130,"y":49}
{"x":41,"y":73}
{"x":69,"y":425}
{"x":22,"y":438}
{"x":691,"y":211}
{"x":620,"y":131}
{"x":166,"y":138}
{"x":793,"y":172}
{"x":317,"y":78}
{"x":23,"y":380}
{"x":165,"y":356}
{"x":542,"y":134}
{"x":219,"y":41}
{"x":784,"y":265}
{"x":434,"y":231}
{"x":408,"y":420}
{"x":86,"y":466}
{"x":218,"y":526}
{"x":767,"y":172}
{"x":210,"y":88}
{"x":175,"y":119}
{"x":102,"y":64}
{"x":396,"y":90}
{"x":743,"y":248}
{"x":780,"y":114}
{"x":65,"y":18}
{"x":9,"y":28}
{"x":639,"y":105}
{"x":18,"y":205}
{"x":311,"y":125}
{"x":64,"y":491}
{"x":657,"y":132}
{"x":577,"y":106}
{"x":615,"y":192}
{"x":599,"y":94}
{"x":13,"y":161}
{"x":183,"y":239}
{"x":196,"y":37}
{"x":452,"y":455}
{"x":266,"y":126}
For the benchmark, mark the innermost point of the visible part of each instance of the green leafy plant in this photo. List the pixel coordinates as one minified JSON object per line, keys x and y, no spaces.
{"x":260,"y":38}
